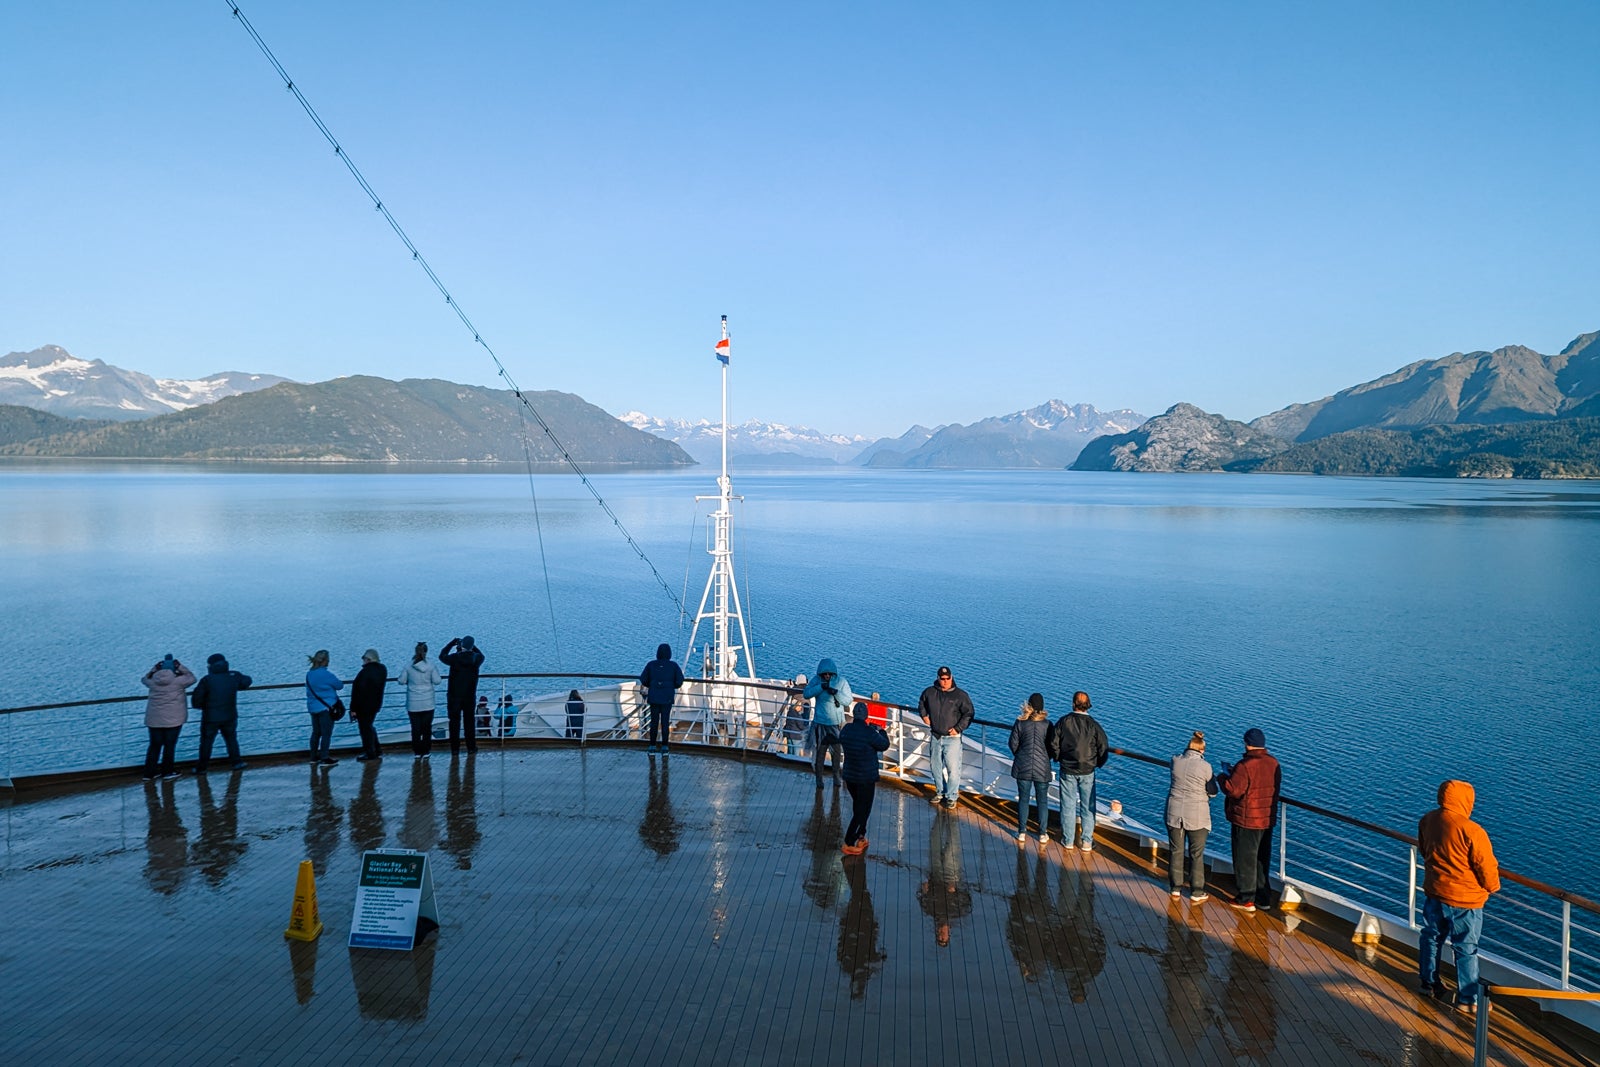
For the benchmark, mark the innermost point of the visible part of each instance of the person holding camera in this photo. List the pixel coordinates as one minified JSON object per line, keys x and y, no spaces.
{"x":461,"y":691}
{"x":833,"y":699}
{"x":164,"y":715}
{"x":861,"y":743}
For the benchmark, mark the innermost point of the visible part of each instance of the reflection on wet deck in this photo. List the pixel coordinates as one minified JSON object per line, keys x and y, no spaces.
{"x":606,"y":906}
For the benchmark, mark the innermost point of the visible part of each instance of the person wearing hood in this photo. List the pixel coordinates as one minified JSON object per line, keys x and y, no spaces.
{"x":1253,"y":787}
{"x":1461,"y":873}
{"x":164,"y":715}
{"x":461,"y":694}
{"x":217,"y":700}
{"x":946,"y":710}
{"x":661,"y":680}
{"x":832,"y":702}
{"x":366,"y":698}
{"x":421,"y":680}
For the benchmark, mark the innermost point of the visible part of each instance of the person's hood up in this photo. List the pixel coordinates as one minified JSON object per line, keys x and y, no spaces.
{"x":217,"y":664}
{"x":663,"y":651}
{"x":1457,"y":796}
{"x":826,"y":666}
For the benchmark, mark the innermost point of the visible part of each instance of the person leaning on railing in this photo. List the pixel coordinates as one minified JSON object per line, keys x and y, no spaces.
{"x":1461,"y":874}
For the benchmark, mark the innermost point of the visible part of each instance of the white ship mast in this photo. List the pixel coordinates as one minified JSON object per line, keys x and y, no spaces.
{"x":719,"y":604}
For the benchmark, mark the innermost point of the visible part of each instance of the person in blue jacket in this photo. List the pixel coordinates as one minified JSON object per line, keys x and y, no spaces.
{"x":322,"y":693}
{"x":661,"y":679}
{"x":217,"y":700}
{"x":861,"y":742}
{"x":833,"y":699}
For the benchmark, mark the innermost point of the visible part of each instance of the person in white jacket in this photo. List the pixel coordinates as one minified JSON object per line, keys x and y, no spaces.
{"x":421,"y":679}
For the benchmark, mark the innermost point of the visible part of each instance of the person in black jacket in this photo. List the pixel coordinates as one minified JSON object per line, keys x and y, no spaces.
{"x":1079,"y":744}
{"x":366,"y":698}
{"x":461,"y":694}
{"x":661,"y":679}
{"x":861,"y":742}
{"x":946,"y":710}
{"x":216,"y":698}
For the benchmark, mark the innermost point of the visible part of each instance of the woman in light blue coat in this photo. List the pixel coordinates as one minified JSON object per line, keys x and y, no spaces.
{"x":322,"y":693}
{"x":833,"y":701}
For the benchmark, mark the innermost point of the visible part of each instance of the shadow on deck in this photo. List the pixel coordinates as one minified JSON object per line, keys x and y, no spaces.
{"x":605,"y":906}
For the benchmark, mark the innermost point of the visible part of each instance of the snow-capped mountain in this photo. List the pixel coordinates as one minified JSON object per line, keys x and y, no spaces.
{"x":53,"y":379}
{"x":1050,"y":435}
{"x":702,"y":439}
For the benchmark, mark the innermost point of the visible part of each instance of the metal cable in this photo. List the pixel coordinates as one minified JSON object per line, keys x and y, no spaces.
{"x":417,"y":257}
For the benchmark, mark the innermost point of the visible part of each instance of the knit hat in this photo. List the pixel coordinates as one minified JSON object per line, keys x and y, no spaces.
{"x":1036,"y":701}
{"x":1198,"y":741}
{"x":1254,"y":738}
{"x":466,"y":642}
{"x":216,"y":658}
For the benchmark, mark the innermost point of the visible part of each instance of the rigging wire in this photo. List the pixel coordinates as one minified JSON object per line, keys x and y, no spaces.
{"x":538,"y":527}
{"x":418,"y":258}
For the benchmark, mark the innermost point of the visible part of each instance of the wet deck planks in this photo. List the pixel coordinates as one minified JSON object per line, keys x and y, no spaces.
{"x":604,"y":907}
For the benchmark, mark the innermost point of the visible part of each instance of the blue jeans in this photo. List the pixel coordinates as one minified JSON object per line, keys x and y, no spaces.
{"x":1041,"y":804}
{"x":944,"y":764}
{"x":1462,"y":928}
{"x":1077,"y":802}
{"x":321,"y":733}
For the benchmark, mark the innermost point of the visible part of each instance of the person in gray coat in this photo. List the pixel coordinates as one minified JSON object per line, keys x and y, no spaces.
{"x":1194,"y":783}
{"x":164,"y":715}
{"x":1030,"y":766}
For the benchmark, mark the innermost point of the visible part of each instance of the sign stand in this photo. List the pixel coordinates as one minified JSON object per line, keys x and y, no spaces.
{"x":395,"y":907}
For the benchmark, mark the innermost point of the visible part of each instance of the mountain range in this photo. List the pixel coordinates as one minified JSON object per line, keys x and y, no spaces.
{"x":359,"y":418}
{"x":1050,"y":435}
{"x":52,"y":379}
{"x":750,"y":440}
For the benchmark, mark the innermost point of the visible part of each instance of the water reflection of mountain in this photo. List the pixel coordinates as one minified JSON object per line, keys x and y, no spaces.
{"x":218,"y":847}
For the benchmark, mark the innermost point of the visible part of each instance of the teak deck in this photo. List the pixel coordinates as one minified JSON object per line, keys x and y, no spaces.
{"x":605,"y":906}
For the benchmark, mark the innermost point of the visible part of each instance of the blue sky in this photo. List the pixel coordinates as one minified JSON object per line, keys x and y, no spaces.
{"x":910,"y":213}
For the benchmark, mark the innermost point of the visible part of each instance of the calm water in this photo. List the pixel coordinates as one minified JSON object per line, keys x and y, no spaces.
{"x":1384,"y":633}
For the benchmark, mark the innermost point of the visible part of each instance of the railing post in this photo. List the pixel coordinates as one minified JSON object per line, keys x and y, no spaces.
{"x":1480,"y":1043}
{"x":1566,"y":944}
{"x":1411,"y":887}
{"x":1283,"y":844}
{"x":900,"y":746}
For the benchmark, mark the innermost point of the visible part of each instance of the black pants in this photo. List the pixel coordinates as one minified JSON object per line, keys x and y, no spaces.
{"x":208,"y":737}
{"x":461,"y":713}
{"x":421,"y":731}
{"x":369,"y":736}
{"x":861,"y":796}
{"x":660,"y":723}
{"x":1252,"y":859}
{"x":163,"y":748}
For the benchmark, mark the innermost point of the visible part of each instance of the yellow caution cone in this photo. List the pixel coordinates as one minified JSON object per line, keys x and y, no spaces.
{"x":304,"y":923}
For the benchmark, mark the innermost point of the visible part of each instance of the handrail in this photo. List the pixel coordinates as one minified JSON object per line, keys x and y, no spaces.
{"x":1575,"y":899}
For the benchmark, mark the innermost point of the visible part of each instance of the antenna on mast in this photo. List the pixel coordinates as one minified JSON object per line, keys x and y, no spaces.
{"x":719,"y":604}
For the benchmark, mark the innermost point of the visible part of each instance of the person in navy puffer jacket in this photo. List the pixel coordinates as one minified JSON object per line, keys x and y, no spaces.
{"x":217,"y":699}
{"x":661,"y":679}
{"x":861,"y":742}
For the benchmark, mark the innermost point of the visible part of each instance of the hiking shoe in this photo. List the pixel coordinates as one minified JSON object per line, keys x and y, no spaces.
{"x":1200,"y":897}
{"x":1246,"y":906}
{"x":328,"y":761}
{"x":1466,"y":1007}
{"x":149,"y":778}
{"x":1022,"y":839}
{"x":949,"y":802}
{"x":241,"y":765}
{"x":170,"y":775}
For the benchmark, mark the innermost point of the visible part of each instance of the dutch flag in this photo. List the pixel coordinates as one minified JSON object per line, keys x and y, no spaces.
{"x":722,"y":351}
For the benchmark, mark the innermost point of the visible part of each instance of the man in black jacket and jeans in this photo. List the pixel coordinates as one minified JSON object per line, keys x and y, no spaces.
{"x":1079,"y":744}
{"x":217,"y":700}
{"x":461,"y":694}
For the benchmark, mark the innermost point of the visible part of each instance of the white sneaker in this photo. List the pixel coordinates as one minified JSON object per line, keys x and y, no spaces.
{"x":1044,"y":839}
{"x":1089,"y":847}
{"x":1177,"y":894}
{"x":1022,"y":839}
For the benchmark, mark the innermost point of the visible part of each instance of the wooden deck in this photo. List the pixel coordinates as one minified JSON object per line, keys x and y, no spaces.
{"x":605,"y":906}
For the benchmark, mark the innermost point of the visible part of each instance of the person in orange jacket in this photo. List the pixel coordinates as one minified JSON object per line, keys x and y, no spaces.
{"x":1461,"y":873}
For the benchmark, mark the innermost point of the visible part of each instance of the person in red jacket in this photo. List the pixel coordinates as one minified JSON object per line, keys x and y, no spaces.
{"x":1461,"y":873}
{"x":1252,"y":787}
